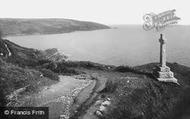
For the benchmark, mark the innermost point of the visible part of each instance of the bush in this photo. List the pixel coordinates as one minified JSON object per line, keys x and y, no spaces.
{"x":125,"y":69}
{"x":110,"y":87}
{"x":2,"y":93}
{"x":42,"y":62}
{"x":60,"y":68}
{"x":48,"y":73}
{"x":83,"y":64}
{"x":2,"y":99}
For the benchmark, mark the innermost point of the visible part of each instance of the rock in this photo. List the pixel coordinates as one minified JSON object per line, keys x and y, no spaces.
{"x":98,"y":113}
{"x":98,"y":102}
{"x":41,"y":75}
{"x":4,"y":49}
{"x":106,"y":103}
{"x":103,"y":107}
{"x":62,"y":117}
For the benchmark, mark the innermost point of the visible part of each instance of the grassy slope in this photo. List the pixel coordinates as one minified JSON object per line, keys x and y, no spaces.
{"x":22,"y":81}
{"x":19,"y":71}
{"x":45,"y":26}
{"x":153,"y":100}
{"x":21,"y":55}
{"x":137,"y":95}
{"x":24,"y":67}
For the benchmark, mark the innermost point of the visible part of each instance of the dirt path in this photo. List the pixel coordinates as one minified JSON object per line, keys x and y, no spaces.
{"x":86,"y":97}
{"x":89,"y":107}
{"x":59,"y":97}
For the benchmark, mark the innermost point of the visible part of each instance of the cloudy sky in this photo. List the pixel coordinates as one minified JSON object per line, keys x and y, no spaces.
{"x":102,"y":11}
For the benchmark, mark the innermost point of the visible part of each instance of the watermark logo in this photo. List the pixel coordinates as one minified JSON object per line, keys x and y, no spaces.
{"x":159,"y":21}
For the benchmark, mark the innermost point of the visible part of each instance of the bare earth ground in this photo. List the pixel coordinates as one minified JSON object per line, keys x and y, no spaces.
{"x":59,"y":97}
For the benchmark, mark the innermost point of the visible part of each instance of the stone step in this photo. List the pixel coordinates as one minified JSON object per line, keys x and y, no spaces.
{"x":164,"y":69}
{"x":166,"y":74}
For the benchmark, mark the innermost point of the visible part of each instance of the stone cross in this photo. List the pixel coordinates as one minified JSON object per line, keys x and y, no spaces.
{"x":162,"y":51}
{"x":163,"y":72}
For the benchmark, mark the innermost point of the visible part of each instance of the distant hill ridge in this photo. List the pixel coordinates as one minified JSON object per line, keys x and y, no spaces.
{"x":16,"y":26}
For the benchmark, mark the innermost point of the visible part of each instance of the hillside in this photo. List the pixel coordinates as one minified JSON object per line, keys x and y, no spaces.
{"x":133,"y":92}
{"x":12,"y":27}
{"x":22,"y":56}
{"x":18,"y":72}
{"x":24,"y":71}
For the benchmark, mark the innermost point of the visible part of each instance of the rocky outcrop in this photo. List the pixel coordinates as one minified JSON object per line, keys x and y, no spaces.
{"x":4,"y":50}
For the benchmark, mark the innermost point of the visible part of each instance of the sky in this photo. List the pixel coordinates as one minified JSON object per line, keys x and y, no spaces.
{"x":101,"y":11}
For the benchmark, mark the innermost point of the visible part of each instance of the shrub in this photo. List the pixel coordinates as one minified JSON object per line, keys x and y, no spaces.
{"x":125,"y":69}
{"x":42,"y":62}
{"x":60,"y":68}
{"x":2,"y":95}
{"x":110,"y":87}
{"x":50,"y":74}
{"x":2,"y":99}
